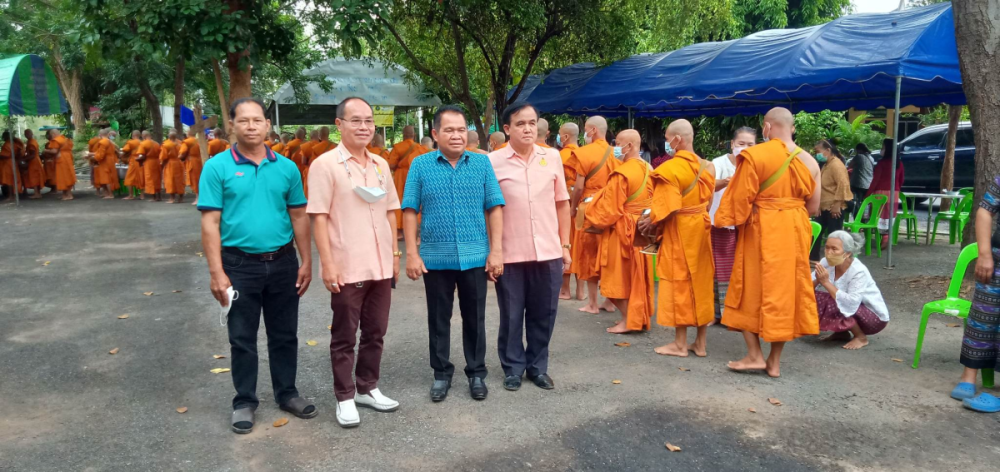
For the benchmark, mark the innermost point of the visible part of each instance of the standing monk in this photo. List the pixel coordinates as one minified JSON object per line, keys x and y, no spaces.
{"x":293,"y":147}
{"x":60,"y":148}
{"x":104,"y":157}
{"x":217,"y":144}
{"x":149,"y":157}
{"x":569,"y":134}
{"x":190,"y":155}
{"x":683,"y":189}
{"x":497,"y":141}
{"x":8,"y":150}
{"x":625,"y":276}
{"x":377,"y":147}
{"x":317,"y":149}
{"x":400,"y":160}
{"x":473,"y":143}
{"x":95,"y":176}
{"x":272,"y":139}
{"x":33,"y":175}
{"x":769,"y":200}
{"x":49,"y":161}
{"x":134,"y":178}
{"x":543,"y":133}
{"x":173,"y":168}
{"x":427,"y":143}
{"x":279,"y":146}
{"x":593,"y":164}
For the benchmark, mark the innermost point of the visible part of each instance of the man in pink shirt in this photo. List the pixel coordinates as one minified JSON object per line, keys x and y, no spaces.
{"x":352,"y":203}
{"x":536,"y":247}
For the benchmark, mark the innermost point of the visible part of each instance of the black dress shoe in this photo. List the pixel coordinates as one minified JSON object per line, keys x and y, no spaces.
{"x":512,"y":383}
{"x":439,"y":391}
{"x":543,"y":381}
{"x":477,"y":388}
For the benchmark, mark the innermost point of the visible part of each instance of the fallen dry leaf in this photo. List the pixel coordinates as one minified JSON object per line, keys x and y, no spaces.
{"x":684,"y":369}
{"x":752,"y":410}
{"x":774,"y":401}
{"x":218,"y":356}
{"x":954,"y":325}
{"x":47,"y":263}
{"x":896,"y":360}
{"x":113,"y":351}
{"x":280,"y":422}
{"x":219,"y":370}
{"x":148,"y":294}
{"x":672,"y":448}
{"x":177,"y":291}
{"x":123,"y":317}
{"x":182,"y":409}
{"x":616,"y":382}
{"x":200,"y":254}
{"x":623,"y":344}
{"x":329,"y":326}
{"x":311,"y":342}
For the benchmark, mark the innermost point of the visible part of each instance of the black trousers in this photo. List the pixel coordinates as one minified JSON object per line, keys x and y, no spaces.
{"x":829,"y":224}
{"x":528,"y":295}
{"x":859,"y":197}
{"x":267,"y":286}
{"x":440,"y":286}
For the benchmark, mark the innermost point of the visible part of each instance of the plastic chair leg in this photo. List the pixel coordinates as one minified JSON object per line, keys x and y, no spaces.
{"x":895,"y":231}
{"x":925,"y":315}
{"x":868,"y":242}
{"x":934,"y":231}
{"x":987,"y":378}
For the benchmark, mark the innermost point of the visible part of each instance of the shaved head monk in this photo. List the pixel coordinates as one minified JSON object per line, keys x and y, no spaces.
{"x":61,"y":149}
{"x":683,"y":188}
{"x":292,"y":150}
{"x":104,"y":157}
{"x":427,"y":143}
{"x":9,"y":149}
{"x":543,"y":133}
{"x":134,"y":178}
{"x":497,"y":140}
{"x":593,"y":164}
{"x":190,"y":155}
{"x":173,"y":168}
{"x":569,"y":134}
{"x":311,"y":153}
{"x":32,"y":170}
{"x":625,"y":276}
{"x":272,"y":138}
{"x":149,"y":156}
{"x":769,"y":200}
{"x":473,"y":143}
{"x":218,"y":143}
{"x":400,"y":160}
{"x":377,"y":147}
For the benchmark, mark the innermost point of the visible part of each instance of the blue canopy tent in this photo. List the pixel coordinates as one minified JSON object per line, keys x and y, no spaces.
{"x":863,"y":61}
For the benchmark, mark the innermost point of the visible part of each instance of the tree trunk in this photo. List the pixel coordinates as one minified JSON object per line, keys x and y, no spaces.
{"x":70,"y":82}
{"x":239,"y":78}
{"x":179,"y":93}
{"x":977,"y":34}
{"x":152,"y":101}
{"x":948,"y":166}
{"x":223,"y":101}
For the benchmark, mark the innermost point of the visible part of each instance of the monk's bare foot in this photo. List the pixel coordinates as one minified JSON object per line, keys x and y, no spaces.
{"x":564,"y":294}
{"x":671,"y":349}
{"x":109,"y":197}
{"x":618,"y":328}
{"x":699,"y":351}
{"x":746,"y":364}
{"x":841,"y":336}
{"x":35,"y":196}
{"x":608,"y":306}
{"x":856,"y":343}
{"x":773,"y":371}
{"x":129,"y":198}
{"x":588,"y":308}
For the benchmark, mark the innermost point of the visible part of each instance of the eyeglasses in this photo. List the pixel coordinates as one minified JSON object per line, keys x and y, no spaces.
{"x":356,"y":123}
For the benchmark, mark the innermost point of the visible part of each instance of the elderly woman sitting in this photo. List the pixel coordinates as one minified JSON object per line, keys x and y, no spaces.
{"x":851,"y":303}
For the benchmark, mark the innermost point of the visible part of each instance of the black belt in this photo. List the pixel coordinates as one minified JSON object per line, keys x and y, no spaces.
{"x":265,"y":257}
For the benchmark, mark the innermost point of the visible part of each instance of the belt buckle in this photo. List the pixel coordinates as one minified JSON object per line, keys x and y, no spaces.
{"x":267,"y":257}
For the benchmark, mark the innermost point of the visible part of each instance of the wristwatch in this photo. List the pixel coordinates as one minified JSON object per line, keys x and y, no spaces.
{"x":567,"y":246}
{"x":397,"y":254}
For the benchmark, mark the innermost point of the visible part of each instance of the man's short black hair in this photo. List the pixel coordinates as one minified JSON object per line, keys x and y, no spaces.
{"x":343,"y":104}
{"x":447,"y":109}
{"x":240,"y":101}
{"x":514,"y":109}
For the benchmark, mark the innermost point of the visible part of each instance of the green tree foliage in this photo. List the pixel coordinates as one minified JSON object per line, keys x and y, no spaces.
{"x":832,"y":126}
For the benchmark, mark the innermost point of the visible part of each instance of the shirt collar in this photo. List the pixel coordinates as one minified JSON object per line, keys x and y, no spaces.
{"x":241,"y":159}
{"x":509,"y":153}
{"x":464,"y":156}
{"x":344,"y":157}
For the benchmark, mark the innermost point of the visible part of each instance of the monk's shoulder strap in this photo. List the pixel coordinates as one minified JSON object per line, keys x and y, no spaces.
{"x":604,"y":160}
{"x":408,"y":149}
{"x":642,"y":186}
{"x":781,"y":170}
{"x":697,"y":175}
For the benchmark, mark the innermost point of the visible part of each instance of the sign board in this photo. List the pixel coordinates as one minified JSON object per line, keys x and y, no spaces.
{"x":383,"y":115}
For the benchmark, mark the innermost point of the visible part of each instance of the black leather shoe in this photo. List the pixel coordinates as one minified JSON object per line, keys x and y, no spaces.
{"x":543,"y":381}
{"x":439,"y":391}
{"x":512,"y":383}
{"x":477,"y":388}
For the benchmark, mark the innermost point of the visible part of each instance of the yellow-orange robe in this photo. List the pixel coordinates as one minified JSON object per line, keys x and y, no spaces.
{"x":566,"y":153}
{"x":381,"y":152}
{"x":684,"y":262}
{"x":173,"y":168}
{"x":292,"y":152}
{"x":151,"y":166}
{"x":216,"y":146}
{"x":770,"y":291}
{"x":134,"y":175}
{"x":65,"y":170}
{"x":7,"y":160}
{"x":50,"y":168}
{"x":625,"y":271}
{"x":106,"y":156}
{"x":309,"y":155}
{"x":191,"y":152}
{"x":583,"y":160}
{"x":400,"y":159}
{"x":34,"y":175}
{"x":279,"y":148}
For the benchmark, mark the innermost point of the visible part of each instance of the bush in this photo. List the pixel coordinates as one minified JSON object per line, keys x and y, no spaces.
{"x":812,"y":127}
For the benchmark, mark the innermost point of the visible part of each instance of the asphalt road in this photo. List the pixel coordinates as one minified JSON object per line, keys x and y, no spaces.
{"x":68,"y":270}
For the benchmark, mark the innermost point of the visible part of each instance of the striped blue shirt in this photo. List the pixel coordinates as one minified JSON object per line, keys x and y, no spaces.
{"x":452,"y":202}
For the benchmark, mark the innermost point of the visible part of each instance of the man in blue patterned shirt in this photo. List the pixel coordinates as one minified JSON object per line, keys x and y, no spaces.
{"x":456,"y":192}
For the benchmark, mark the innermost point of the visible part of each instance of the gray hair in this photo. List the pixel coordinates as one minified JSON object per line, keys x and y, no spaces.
{"x":853,"y":242}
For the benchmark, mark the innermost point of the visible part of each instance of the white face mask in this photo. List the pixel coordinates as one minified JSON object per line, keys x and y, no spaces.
{"x":737,"y":150}
{"x":764,"y":135}
{"x":370,"y":194}
{"x":587,"y":139}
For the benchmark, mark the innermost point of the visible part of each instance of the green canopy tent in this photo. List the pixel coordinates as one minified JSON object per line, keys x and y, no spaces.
{"x":28,"y":88}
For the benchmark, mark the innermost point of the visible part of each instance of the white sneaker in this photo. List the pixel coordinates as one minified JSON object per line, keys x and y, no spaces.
{"x":347,"y":414}
{"x":375,"y":400}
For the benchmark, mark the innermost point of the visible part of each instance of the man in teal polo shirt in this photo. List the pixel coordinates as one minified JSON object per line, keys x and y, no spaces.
{"x":252,"y":206}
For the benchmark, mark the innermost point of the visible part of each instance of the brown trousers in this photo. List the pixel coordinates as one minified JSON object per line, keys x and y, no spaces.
{"x":367,"y":304}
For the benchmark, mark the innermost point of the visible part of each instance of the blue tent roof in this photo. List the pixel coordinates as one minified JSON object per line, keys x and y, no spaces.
{"x":852,"y":61}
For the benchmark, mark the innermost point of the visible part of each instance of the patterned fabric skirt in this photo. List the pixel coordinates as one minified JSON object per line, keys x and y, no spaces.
{"x":724,"y":253}
{"x":831,"y":319}
{"x":982,"y":329}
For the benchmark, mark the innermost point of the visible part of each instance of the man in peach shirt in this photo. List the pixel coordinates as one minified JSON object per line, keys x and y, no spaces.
{"x":536,"y":247}
{"x":352,"y":205}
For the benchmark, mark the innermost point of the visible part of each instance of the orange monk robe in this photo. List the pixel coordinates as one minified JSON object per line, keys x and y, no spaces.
{"x":770,"y":291}
{"x":292,"y":152}
{"x":309,"y":155}
{"x":546,"y":146}
{"x":584,"y":160}
{"x":193,"y":163}
{"x":216,"y":146}
{"x":133,"y":176}
{"x":566,"y":152}
{"x":501,"y":146}
{"x":684,"y":262}
{"x":279,"y":148}
{"x":173,"y":168}
{"x":7,"y":161}
{"x":65,"y":170}
{"x":106,"y":156}
{"x":50,"y":168}
{"x":151,"y":166}
{"x":381,"y":152}
{"x":268,"y":143}
{"x":400,"y":159}
{"x":34,"y":175}
{"x":625,"y":271}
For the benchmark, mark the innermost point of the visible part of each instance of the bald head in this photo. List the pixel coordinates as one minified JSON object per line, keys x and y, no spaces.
{"x":192,"y":133}
{"x":324,"y":133}
{"x":630,"y":142}
{"x":314,"y":135}
{"x":427,"y":142}
{"x":595,"y":128}
{"x":274,"y":137}
{"x":378,"y":141}
{"x":172,"y":134}
{"x":543,"y":131}
{"x":473,"y":140}
{"x":136,"y":134}
{"x":496,"y":139}
{"x":779,"y":123}
{"x":146,"y":135}
{"x":300,"y":133}
{"x":569,"y":133}
{"x":409,"y":133}
{"x":680,"y":135}
{"x":104,"y":132}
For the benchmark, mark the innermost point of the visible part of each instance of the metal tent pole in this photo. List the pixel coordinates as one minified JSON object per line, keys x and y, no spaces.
{"x":892,"y":178}
{"x":277,"y":117}
{"x":631,"y":123}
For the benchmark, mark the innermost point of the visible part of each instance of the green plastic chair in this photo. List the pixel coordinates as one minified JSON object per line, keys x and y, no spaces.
{"x":911,"y":221}
{"x":869,"y":228}
{"x":951,"y":305}
{"x":959,"y":211}
{"x":817,"y":229}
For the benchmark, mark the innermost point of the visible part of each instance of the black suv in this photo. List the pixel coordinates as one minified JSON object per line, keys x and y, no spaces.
{"x":922,"y":154}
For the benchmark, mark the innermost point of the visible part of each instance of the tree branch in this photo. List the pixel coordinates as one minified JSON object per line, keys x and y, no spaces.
{"x":413,"y":57}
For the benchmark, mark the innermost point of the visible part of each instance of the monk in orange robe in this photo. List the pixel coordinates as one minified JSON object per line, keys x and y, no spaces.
{"x":294,"y":146}
{"x":104,"y":156}
{"x":190,"y":154}
{"x":569,"y":133}
{"x":683,"y":188}
{"x":377,"y":147}
{"x":60,"y":148}
{"x":272,"y":138}
{"x":134,"y":178}
{"x":49,"y":161}
{"x":616,"y":208}
{"x":33,"y":172}
{"x":593,"y":163}
{"x":173,"y":168}
{"x":318,"y":148}
{"x":217,"y":144}
{"x":498,"y":140}
{"x":769,"y":200}
{"x":399,"y":160}
{"x":543,"y":133}
{"x":95,"y":176}
{"x":473,"y":143}
{"x":280,"y":145}
{"x":11,"y":148}
{"x":149,"y":156}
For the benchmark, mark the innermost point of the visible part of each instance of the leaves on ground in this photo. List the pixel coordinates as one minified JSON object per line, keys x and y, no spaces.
{"x":329,"y":327}
{"x":280,"y":422}
{"x":218,"y":356}
{"x":774,"y":401}
{"x":672,"y":448}
{"x":616,"y":382}
{"x":148,"y":294}
{"x":113,"y":351}
{"x":200,"y":254}
{"x":47,"y":263}
{"x":182,"y":409}
{"x":896,"y":360}
{"x":311,"y":342}
{"x":177,"y":291}
{"x":123,"y":317}
{"x":752,"y":410}
{"x":623,"y":344}
{"x":954,"y":325}
{"x":219,"y":370}
{"x":683,"y":369}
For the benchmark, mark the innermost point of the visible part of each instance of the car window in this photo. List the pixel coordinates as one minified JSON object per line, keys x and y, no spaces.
{"x":924,"y":142}
{"x":965,"y":138}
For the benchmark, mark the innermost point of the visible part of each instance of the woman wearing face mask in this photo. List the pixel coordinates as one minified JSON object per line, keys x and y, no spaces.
{"x":850,"y":302}
{"x":835,"y":191}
